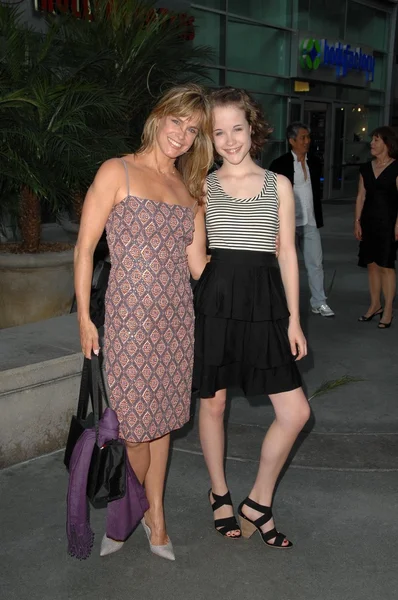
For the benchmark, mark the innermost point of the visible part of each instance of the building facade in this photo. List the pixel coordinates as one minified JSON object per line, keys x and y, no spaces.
{"x":328,"y":63}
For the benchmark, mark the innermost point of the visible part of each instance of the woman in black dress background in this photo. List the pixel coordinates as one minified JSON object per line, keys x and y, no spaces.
{"x":376,"y":223}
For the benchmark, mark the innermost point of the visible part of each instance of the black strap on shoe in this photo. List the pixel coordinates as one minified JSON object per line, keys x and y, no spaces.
{"x":267,"y":516}
{"x":220,"y":501}
{"x":266,"y":510}
{"x":226,"y":524}
{"x":279,"y":537}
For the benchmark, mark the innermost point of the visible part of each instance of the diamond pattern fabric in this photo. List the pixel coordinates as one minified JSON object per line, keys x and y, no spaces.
{"x":149,"y":320}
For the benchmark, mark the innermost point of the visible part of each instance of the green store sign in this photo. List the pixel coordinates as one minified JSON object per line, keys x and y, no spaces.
{"x":315,"y":53}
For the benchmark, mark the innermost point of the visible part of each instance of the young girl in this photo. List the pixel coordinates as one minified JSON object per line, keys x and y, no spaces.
{"x":247,"y":331}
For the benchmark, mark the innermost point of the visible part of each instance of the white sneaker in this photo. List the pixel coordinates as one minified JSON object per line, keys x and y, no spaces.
{"x":323,"y":310}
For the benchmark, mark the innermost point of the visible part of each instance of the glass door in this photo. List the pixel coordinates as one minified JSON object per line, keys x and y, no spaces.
{"x":350,"y":148}
{"x":317,"y":115}
{"x":338,"y":151}
{"x":295,"y":110}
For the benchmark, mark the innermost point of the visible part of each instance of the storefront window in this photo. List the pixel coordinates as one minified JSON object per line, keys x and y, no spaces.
{"x":376,"y":98}
{"x":259,"y":83}
{"x":353,"y":127}
{"x":303,"y":15}
{"x":217,"y":4}
{"x":258,"y":48}
{"x":357,"y":95}
{"x":367,"y":26}
{"x":217,"y":77}
{"x":356,"y":132}
{"x":276,"y":12}
{"x":375,"y":118}
{"x":210,"y":31}
{"x":324,"y":17}
{"x":275,"y":112}
{"x":380,"y":71}
{"x":253,"y":48}
{"x":323,"y":90}
{"x":271,"y":151}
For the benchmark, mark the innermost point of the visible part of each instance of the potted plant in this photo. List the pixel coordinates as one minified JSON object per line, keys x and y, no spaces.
{"x":69,"y":99}
{"x":152,"y":50}
{"x":56,"y":128}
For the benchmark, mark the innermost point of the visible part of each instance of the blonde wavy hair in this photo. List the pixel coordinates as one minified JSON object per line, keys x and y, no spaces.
{"x":185,"y":100}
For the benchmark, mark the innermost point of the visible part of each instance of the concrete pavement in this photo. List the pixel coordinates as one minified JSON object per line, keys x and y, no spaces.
{"x":343,"y":524}
{"x":338,"y":501}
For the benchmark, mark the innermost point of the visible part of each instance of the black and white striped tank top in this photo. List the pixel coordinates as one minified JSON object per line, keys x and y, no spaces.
{"x":242,"y":223}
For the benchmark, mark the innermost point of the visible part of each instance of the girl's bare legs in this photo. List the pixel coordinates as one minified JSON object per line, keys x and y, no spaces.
{"x":388,"y":284}
{"x":154,"y":488}
{"x":212,"y":438}
{"x":292,"y":411}
{"x":374,"y":277}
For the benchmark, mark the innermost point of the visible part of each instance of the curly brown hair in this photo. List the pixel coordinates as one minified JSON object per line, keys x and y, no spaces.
{"x":389,"y":137}
{"x":238,"y":97}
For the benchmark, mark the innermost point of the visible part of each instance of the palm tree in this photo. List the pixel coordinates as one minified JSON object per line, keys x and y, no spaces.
{"x":56,"y":127}
{"x":152,"y":51}
{"x":78,"y":94}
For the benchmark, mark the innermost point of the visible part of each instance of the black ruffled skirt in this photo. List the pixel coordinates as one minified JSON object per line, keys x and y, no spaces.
{"x":241,"y":326}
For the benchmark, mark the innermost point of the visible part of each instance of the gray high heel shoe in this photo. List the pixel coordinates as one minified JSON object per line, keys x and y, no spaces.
{"x":166,"y":551}
{"x":109,"y":546}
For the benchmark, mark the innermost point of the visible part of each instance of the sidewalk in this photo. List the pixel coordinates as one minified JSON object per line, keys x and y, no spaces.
{"x":338,"y":501}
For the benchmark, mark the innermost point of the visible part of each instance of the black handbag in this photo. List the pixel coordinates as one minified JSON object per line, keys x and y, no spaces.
{"x":107,"y":474}
{"x":99,"y":286}
{"x":81,"y":420}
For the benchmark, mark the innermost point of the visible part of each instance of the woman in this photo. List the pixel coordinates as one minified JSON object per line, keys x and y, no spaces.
{"x":376,"y":223}
{"x":246,"y":335}
{"x":148,"y":206}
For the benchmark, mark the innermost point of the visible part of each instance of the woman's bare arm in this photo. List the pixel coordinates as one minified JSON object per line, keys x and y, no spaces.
{"x":196,"y":251}
{"x":358,"y":208}
{"x":98,"y":204}
{"x":287,"y":259}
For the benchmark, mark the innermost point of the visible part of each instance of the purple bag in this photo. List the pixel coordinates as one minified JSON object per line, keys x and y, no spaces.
{"x":123,"y":515}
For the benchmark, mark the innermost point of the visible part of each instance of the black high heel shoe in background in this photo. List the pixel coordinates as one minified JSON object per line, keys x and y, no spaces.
{"x":364,"y":318}
{"x":382,"y":325}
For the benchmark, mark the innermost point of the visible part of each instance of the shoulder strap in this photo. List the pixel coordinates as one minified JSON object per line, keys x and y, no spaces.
{"x":211,"y":183}
{"x":271,"y":183}
{"x":211,"y":179}
{"x":267,"y":177}
{"x":98,"y":391}
{"x":270,"y":179}
{"x":84,"y":394}
{"x":127,"y":176}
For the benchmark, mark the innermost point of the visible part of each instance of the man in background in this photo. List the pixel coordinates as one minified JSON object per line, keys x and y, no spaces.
{"x":304,"y":172}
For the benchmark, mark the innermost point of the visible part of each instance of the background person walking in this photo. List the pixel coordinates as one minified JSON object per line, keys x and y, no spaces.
{"x":304,"y":172}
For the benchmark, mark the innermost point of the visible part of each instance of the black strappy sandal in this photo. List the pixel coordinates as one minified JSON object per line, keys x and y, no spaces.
{"x":224,"y":526}
{"x":249,"y":527}
{"x":378,"y":313}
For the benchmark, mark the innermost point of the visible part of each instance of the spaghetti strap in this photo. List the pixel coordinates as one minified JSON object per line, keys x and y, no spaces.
{"x":127,"y":177}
